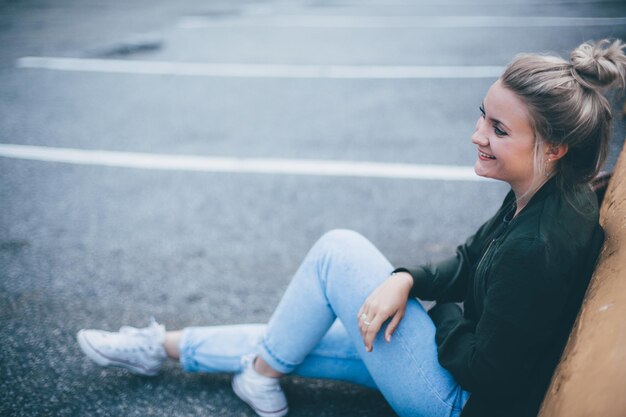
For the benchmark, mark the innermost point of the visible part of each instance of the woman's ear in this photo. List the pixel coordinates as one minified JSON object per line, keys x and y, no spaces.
{"x":556,"y":152}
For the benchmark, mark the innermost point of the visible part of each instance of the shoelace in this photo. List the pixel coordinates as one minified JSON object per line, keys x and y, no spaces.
{"x":148,"y":331}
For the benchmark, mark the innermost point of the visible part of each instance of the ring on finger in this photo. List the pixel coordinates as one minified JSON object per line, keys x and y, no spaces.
{"x":364,"y":319}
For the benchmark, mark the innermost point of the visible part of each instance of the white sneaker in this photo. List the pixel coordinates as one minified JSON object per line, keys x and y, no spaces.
{"x":139,"y":350}
{"x":260,"y":392}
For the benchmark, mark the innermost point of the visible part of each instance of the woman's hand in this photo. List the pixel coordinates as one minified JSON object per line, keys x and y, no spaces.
{"x":387,"y":300}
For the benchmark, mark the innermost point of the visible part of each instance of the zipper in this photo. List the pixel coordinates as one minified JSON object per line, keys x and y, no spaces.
{"x":476,"y":276}
{"x":498,"y":233}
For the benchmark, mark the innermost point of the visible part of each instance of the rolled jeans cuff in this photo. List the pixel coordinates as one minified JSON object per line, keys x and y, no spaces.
{"x":186,"y":353}
{"x":270,"y":357}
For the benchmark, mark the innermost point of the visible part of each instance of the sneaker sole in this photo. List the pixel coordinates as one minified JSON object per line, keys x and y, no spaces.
{"x":103,"y":360}
{"x":262,"y":413}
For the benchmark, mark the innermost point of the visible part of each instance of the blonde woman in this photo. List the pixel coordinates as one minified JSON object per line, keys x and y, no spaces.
{"x":348,"y":314}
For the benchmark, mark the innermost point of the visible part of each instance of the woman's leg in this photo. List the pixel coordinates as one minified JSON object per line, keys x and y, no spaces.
{"x":332,"y":283}
{"x":172,"y":344}
{"x":336,"y":277}
{"x":220,"y":348}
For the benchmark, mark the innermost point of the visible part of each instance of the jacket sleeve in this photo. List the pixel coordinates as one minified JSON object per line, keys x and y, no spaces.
{"x":522,"y":301}
{"x":447,"y":280}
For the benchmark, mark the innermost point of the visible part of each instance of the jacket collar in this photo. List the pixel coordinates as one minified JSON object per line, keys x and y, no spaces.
{"x":547,"y":189}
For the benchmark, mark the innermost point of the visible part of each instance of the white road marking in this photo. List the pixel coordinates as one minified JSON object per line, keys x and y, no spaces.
{"x":240,"y":165}
{"x":258,"y":70}
{"x":373,"y":22}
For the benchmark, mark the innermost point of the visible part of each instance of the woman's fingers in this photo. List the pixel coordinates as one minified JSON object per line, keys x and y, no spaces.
{"x":369,"y":331}
{"x":370,"y":321}
{"x":393,"y":324}
{"x":388,"y":300}
{"x":369,"y":327}
{"x":362,"y":319}
{"x":372,"y":330}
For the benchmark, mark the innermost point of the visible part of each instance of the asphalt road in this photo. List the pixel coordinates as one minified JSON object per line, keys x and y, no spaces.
{"x":87,"y":245}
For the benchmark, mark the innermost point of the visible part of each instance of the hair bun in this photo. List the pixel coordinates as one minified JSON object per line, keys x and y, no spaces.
{"x":599,"y":65}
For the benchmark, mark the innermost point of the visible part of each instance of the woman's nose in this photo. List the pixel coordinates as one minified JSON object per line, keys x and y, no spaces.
{"x":479,"y":138}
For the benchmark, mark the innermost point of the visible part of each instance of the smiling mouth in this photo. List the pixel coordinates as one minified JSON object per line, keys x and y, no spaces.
{"x":486,"y":155}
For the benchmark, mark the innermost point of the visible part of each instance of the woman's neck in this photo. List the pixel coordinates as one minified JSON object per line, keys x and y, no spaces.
{"x":525,"y":193}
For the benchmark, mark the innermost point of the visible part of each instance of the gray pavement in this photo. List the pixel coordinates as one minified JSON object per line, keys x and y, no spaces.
{"x":94,"y":246}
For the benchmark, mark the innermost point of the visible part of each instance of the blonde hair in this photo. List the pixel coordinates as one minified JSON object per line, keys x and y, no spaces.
{"x":567,"y":107}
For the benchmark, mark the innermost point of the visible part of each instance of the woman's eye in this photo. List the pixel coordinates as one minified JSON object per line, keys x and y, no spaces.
{"x":482,"y":111}
{"x":498,"y":131}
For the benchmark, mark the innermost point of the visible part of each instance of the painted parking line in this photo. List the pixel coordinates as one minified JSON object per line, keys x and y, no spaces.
{"x":373,"y":22}
{"x":275,"y":166}
{"x":199,"y":69}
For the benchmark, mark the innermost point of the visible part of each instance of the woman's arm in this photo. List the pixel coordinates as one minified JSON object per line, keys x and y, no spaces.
{"x":447,"y":280}
{"x":444,"y":280}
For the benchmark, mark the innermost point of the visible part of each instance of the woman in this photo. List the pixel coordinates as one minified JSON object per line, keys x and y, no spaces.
{"x":349,"y":315}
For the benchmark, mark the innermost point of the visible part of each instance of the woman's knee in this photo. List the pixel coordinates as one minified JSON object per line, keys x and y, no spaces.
{"x":342,"y":239}
{"x":338,"y":249}
{"x":344,"y":249}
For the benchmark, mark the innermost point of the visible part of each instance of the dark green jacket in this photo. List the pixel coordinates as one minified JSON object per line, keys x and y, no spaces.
{"x":522,"y":283}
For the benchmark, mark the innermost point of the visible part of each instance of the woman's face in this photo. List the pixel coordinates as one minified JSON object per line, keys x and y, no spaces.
{"x":505,"y":139}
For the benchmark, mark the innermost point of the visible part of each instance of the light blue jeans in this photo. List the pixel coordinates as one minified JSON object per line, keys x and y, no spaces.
{"x":314,"y":333}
